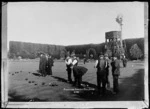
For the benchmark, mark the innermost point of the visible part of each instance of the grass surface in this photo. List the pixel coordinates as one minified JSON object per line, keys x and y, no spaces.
{"x":25,"y":84}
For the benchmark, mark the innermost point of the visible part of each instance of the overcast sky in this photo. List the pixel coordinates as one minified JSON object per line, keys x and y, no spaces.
{"x":69,"y":23}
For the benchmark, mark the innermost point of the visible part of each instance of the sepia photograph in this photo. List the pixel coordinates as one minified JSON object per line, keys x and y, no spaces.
{"x":74,"y":55}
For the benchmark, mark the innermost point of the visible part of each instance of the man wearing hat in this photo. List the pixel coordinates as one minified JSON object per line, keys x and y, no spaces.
{"x":50,"y":63}
{"x":68,"y":62}
{"x":101,"y":74}
{"x":43,"y":65}
{"x":116,"y":73}
{"x":40,"y":63}
{"x":107,"y":69}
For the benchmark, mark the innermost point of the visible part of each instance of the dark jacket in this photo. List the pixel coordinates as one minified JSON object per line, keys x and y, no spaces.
{"x":115,"y":67}
{"x":101,"y":67}
{"x":50,"y":62}
{"x":124,"y":60}
{"x":43,"y":64}
{"x":79,"y":70}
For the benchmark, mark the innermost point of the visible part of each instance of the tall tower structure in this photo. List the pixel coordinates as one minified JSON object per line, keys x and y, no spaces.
{"x":113,"y":40}
{"x":112,"y":43}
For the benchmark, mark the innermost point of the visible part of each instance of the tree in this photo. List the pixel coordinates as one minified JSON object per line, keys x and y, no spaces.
{"x":73,"y":52}
{"x":118,"y":51}
{"x":135,"y":51}
{"x":68,"y":53}
{"x":63,"y":53}
{"x":109,"y":52}
{"x":11,"y":55}
{"x":24,"y":54}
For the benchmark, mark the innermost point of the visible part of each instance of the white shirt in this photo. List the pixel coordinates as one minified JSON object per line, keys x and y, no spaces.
{"x":69,"y":61}
{"x":46,"y":57}
{"x":96,"y":63}
{"x":74,"y":62}
{"x":107,"y":61}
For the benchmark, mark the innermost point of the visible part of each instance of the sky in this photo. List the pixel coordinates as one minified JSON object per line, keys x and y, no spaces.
{"x":72,"y":23}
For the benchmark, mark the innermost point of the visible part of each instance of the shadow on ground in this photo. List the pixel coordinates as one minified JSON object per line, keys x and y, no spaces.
{"x":131,"y":89}
{"x":89,"y":93}
{"x":36,"y":74}
{"x":84,"y":82}
{"x":60,"y":79}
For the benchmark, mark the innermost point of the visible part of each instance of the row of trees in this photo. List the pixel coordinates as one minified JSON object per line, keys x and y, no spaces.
{"x":134,"y":49}
{"x":32,"y":50}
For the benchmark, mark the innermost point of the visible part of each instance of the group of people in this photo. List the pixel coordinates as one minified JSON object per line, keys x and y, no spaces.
{"x":102,"y":64}
{"x":45,"y":64}
{"x":78,"y":71}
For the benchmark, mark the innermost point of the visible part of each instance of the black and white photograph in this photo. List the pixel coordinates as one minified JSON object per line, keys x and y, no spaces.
{"x":74,"y":55}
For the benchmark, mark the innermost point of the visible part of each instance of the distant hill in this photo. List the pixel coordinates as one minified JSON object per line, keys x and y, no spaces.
{"x":31,"y":50}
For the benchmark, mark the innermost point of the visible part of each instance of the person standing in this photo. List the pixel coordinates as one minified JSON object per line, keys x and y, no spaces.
{"x":43,"y":65}
{"x":107,"y":70}
{"x":50,"y":63}
{"x":115,"y":73}
{"x":101,"y":74}
{"x":124,"y":61}
{"x":84,"y":59}
{"x":40,"y":63}
{"x":78,"y":72}
{"x":68,"y":62}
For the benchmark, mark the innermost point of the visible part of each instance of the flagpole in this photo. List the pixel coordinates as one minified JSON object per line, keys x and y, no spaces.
{"x":121,"y":35}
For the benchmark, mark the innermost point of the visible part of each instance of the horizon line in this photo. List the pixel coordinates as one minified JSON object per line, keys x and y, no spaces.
{"x":67,"y":45}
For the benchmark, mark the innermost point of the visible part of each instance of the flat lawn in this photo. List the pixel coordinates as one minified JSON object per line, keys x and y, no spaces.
{"x":25,"y":84}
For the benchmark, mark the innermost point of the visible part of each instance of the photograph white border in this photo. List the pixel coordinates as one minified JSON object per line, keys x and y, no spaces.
{"x":79,"y":104}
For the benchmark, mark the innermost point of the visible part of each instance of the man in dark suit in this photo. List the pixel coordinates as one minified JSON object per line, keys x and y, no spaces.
{"x":68,"y":62}
{"x":107,"y":70}
{"x":43,"y":64}
{"x":40,"y":63}
{"x":50,"y":63}
{"x":101,"y":74}
{"x":116,"y":73}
